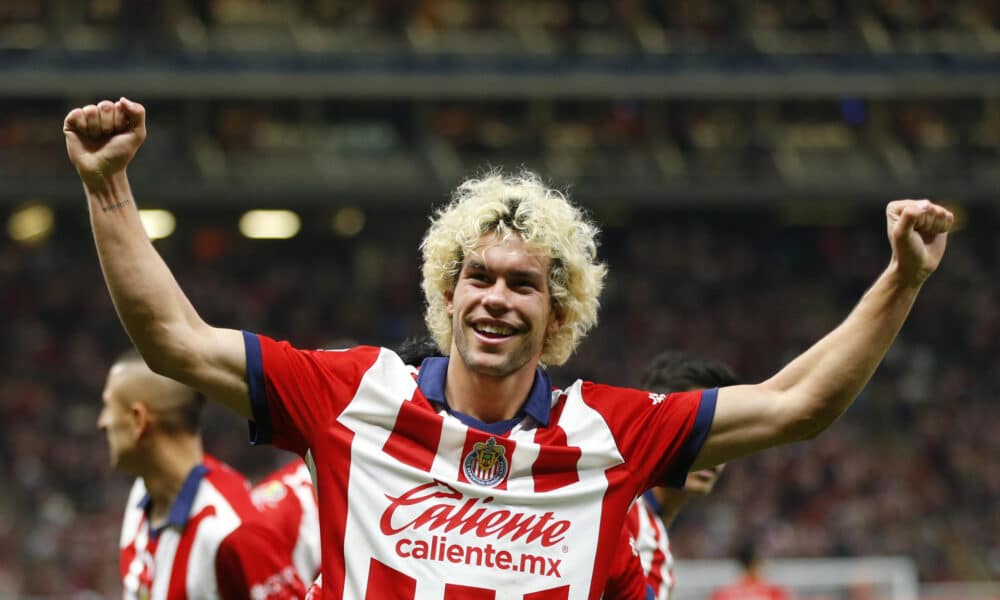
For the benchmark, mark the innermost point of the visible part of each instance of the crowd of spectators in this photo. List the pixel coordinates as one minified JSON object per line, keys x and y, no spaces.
{"x":312,"y":146}
{"x":589,"y":27}
{"x":909,"y":470}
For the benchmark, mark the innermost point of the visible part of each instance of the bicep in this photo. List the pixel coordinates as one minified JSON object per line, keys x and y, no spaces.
{"x":748,"y":418}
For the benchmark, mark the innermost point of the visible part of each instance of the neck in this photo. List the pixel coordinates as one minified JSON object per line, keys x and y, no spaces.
{"x":670,"y":509}
{"x":671,"y":501}
{"x":171,"y":461}
{"x":487,"y":398}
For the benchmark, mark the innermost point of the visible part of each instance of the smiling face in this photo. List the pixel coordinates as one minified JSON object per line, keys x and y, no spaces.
{"x":501,"y":307}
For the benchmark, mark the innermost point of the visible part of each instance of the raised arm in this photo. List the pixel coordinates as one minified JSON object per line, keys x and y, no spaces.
{"x":812,"y":391}
{"x":175,"y":342}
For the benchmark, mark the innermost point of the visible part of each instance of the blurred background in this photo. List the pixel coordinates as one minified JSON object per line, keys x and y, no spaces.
{"x":737,"y":154}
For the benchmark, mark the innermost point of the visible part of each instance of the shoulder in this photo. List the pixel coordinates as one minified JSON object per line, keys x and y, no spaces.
{"x":273,"y":350}
{"x":612,"y":403}
{"x":251,"y":536}
{"x":601,"y":394}
{"x":227,"y":489}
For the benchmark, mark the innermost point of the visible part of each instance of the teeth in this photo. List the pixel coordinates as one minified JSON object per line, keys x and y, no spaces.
{"x":495,"y":329}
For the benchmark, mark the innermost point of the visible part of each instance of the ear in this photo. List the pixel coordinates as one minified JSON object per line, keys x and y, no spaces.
{"x":556,"y":320}
{"x":449,"y":302}
{"x":141,"y":417}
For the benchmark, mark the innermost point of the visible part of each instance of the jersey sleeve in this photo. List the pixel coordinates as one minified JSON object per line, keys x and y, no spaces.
{"x":252,"y":563}
{"x":658,"y":435}
{"x":295,"y":393}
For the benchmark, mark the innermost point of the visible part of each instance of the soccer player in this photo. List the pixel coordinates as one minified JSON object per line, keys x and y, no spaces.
{"x":190,"y":529}
{"x":473,"y":477}
{"x":627,"y":579}
{"x":752,"y":585}
{"x":669,"y":372}
{"x":288,"y":502}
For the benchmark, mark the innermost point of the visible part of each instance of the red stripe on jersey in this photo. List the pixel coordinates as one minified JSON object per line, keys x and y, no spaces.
{"x":125,"y":557}
{"x":463,"y":592}
{"x":333,"y":510}
{"x":632,"y":520}
{"x":555,"y":466}
{"x":414,"y":423}
{"x":609,"y":530}
{"x":386,"y":583}
{"x":559,"y":593}
{"x":178,"y":579}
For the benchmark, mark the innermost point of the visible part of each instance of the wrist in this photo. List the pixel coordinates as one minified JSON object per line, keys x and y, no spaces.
{"x":905,"y":279}
{"x":107,"y":192}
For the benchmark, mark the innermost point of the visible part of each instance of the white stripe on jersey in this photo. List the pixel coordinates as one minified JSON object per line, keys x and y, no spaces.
{"x":381,"y":393}
{"x":166,"y":550}
{"x":306,"y":555}
{"x":130,"y":523}
{"x":201,"y":578}
{"x":586,"y":428}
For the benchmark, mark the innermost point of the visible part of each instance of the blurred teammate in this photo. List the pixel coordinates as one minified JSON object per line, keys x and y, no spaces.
{"x":472,"y":477}
{"x":288,"y":502}
{"x":190,"y":529}
{"x":751,"y":585}
{"x":669,"y":372}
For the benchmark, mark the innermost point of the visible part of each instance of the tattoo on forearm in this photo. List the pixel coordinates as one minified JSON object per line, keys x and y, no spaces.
{"x":115,"y":206}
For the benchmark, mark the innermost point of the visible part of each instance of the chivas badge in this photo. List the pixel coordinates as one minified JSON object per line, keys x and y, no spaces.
{"x":486,"y":464}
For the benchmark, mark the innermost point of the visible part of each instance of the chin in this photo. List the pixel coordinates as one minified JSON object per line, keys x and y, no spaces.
{"x":491,"y":368}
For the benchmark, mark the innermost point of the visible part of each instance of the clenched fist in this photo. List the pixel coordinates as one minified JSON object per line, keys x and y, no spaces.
{"x":918,"y":232}
{"x":102,"y":138}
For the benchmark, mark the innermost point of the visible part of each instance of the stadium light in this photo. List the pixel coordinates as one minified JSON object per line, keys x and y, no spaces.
{"x":348,"y":222}
{"x":270,"y":224}
{"x":158,"y":223}
{"x":31,"y":224}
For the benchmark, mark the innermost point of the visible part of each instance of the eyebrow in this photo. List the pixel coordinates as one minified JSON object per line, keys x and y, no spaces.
{"x":478,"y":265}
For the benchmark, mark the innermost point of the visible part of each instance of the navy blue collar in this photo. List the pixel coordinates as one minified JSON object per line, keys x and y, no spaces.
{"x":431,"y":380}
{"x":180,"y":510}
{"x":652,"y":502}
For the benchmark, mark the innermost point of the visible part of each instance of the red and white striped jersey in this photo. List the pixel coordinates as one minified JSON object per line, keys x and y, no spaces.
{"x":214,"y":544}
{"x":419,"y":501}
{"x":287,"y":501}
{"x":653,"y":545}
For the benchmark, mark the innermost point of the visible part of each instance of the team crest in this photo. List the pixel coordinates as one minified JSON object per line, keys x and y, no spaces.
{"x":486,"y":465}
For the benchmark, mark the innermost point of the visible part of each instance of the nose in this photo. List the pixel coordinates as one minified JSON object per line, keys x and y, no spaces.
{"x":497,"y":296}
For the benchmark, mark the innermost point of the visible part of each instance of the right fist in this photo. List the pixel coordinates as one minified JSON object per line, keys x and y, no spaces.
{"x":101,"y":139}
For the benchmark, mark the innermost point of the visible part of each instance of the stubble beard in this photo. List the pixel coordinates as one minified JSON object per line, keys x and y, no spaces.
{"x":510,"y":361}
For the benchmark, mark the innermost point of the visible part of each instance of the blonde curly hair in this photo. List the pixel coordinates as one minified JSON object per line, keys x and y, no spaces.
{"x":546,"y":221}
